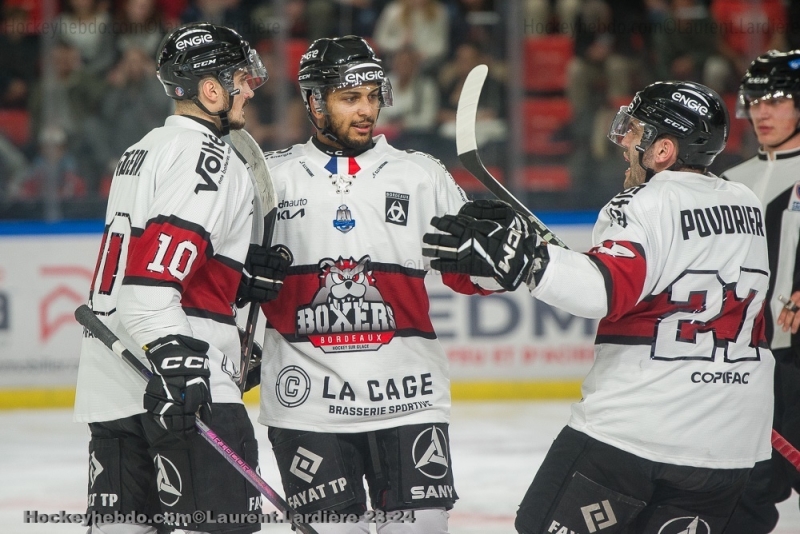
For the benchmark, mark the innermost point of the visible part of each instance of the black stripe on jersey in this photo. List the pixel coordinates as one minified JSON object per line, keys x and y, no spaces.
{"x":606,"y":278}
{"x":230,"y":263}
{"x":137,"y":232}
{"x":142,"y":281}
{"x":405,"y":332}
{"x":186,"y":225}
{"x":205,"y":314}
{"x":773,"y":224}
{"x":624,"y":340}
{"x":372,"y":266}
{"x":785,"y":155}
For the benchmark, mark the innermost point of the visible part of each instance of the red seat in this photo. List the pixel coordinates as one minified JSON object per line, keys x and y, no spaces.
{"x":543,"y":117}
{"x":469,"y":183}
{"x":546,"y":178}
{"x":15,"y":124}
{"x":546,"y":60}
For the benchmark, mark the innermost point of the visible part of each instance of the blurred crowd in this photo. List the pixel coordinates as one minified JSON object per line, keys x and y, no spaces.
{"x":78,"y":85}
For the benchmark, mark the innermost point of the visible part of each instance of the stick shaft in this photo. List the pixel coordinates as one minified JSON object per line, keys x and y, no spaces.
{"x":95,"y":326}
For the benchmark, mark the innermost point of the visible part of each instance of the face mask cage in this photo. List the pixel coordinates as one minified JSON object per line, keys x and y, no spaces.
{"x":255,"y":73}
{"x":747,"y":99}
{"x":624,"y":124}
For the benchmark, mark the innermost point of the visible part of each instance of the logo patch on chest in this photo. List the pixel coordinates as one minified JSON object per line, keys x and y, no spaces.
{"x":397,"y":208}
{"x":794,"y":200}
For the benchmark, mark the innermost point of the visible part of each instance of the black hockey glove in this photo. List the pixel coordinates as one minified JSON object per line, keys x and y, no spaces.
{"x":263,"y":274}
{"x":497,"y":211}
{"x":179,"y":387}
{"x":481,"y":248}
{"x":254,"y":365}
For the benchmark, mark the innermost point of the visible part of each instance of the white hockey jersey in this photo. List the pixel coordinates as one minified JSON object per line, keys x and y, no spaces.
{"x":349,"y":345}
{"x":682,"y":373}
{"x":776,"y":183}
{"x":178,"y":227}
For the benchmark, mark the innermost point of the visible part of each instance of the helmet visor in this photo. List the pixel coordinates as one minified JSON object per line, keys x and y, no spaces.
{"x":625,"y":124}
{"x":253,"y":68}
{"x":774,"y":100}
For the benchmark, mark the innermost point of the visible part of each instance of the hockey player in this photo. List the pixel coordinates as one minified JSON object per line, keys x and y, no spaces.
{"x":177,"y":236}
{"x":357,"y":384}
{"x":676,"y":408}
{"x":769,"y":97}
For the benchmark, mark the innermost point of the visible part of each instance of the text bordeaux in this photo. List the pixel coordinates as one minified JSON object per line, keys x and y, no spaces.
{"x":722,"y":220}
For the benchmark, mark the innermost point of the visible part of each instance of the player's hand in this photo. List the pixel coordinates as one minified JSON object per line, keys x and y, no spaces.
{"x":789,"y":318}
{"x":179,"y":388}
{"x":254,"y":365}
{"x":497,"y":211}
{"x":480,"y":248}
{"x":263,"y":274}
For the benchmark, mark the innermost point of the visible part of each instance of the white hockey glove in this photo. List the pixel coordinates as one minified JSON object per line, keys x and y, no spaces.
{"x":484,"y":248}
{"x":179,"y":388}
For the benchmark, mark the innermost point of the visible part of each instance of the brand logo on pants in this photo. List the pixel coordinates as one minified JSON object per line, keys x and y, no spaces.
{"x":430,"y":452}
{"x":168,"y":481}
{"x":685,"y":525}
{"x":598,"y":516}
{"x":95,"y":468}
{"x":305,"y":464}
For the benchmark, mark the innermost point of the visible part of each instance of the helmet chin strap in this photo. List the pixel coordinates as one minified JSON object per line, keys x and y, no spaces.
{"x":648,"y":172}
{"x":225,"y":125}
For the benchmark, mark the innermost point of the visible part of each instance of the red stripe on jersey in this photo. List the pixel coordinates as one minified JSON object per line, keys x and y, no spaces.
{"x":461,"y":283}
{"x":625,"y":270}
{"x":99,"y":257}
{"x":642,"y":321}
{"x":352,"y":166}
{"x":213,"y":288}
{"x":406,"y":295}
{"x":166,"y":252}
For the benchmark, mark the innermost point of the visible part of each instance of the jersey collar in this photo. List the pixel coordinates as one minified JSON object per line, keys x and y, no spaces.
{"x":779,"y":154}
{"x":344,"y":162}
{"x":193,"y":123}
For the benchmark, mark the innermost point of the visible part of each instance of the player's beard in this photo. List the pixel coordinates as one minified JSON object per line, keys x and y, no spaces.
{"x":237,"y":123}
{"x":342,"y":131}
{"x":636,"y":174}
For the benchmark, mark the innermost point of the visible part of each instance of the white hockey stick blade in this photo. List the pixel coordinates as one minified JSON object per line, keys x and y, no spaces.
{"x":467,"y":148}
{"x":249,"y":150}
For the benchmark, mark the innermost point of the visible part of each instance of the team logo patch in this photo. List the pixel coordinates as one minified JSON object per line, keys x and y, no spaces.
{"x":293,"y":386}
{"x":344,"y":221}
{"x":794,"y":201}
{"x":348,"y":312}
{"x":179,"y":91}
{"x":305,"y":464}
{"x":168,"y":480}
{"x":430,"y":454}
{"x":397,"y":208}
{"x":685,"y":525}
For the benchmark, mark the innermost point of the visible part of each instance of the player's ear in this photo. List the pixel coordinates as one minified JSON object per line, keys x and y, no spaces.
{"x":666,"y":151}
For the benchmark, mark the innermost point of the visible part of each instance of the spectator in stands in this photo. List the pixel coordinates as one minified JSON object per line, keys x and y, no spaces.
{"x":416,"y":101}
{"x":491,"y":127}
{"x":685,"y":46}
{"x":300,"y":19}
{"x":479,"y":22}
{"x":19,"y":59}
{"x":72,"y":96}
{"x":133,"y":104}
{"x":53,"y":173}
{"x":747,"y":30}
{"x":86,"y":25}
{"x":421,"y":24}
{"x":550,"y":16}
{"x":602,"y":71}
{"x":138,"y":24}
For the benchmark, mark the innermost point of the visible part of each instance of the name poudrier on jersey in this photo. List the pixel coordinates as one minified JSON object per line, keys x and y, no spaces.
{"x":348,"y":312}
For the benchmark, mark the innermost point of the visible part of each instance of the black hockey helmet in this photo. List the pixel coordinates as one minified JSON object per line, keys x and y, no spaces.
{"x":193,"y":51}
{"x":691,"y":112}
{"x":340,"y":62}
{"x":771,"y":75}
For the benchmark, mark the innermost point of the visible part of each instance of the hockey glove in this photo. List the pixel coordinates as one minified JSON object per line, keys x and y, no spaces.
{"x":263,"y":274}
{"x":254,"y":365}
{"x":497,"y":211}
{"x":481,"y":248}
{"x":179,"y":387}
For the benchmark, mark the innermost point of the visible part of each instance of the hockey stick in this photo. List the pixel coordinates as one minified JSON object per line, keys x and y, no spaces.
{"x":467,"y":148}
{"x":96,"y":328}
{"x":786,"y":449}
{"x":249,"y":151}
